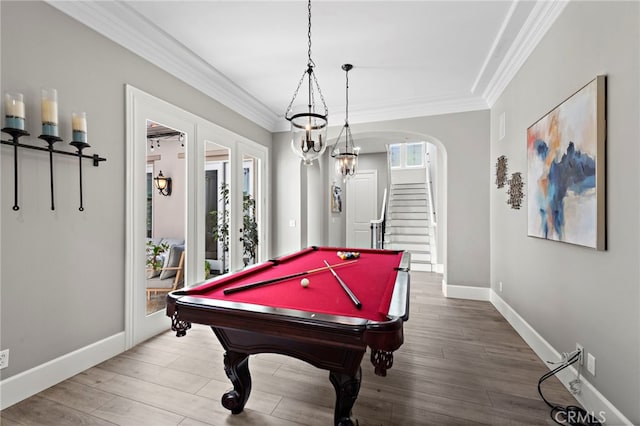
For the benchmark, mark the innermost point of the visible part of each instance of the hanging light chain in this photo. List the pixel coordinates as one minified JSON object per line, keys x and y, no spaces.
{"x":309,"y":71}
{"x":295,"y":94}
{"x":346,"y":116}
{"x":348,"y":137}
{"x":326,"y":110}
{"x":309,"y":36}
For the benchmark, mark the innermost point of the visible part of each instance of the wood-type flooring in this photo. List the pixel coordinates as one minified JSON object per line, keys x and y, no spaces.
{"x":461,"y":364}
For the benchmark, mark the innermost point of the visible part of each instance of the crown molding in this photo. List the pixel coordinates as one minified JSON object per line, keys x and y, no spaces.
{"x":496,"y":42}
{"x":123,"y":25}
{"x":543,"y":15}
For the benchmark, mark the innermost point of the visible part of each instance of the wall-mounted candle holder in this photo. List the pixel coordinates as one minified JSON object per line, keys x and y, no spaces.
{"x":15,"y":125}
{"x":16,"y":134}
{"x":50,"y":141}
{"x":80,"y":146}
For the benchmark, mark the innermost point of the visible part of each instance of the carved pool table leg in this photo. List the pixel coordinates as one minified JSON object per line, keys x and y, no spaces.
{"x":347,"y":388}
{"x":236,"y":365}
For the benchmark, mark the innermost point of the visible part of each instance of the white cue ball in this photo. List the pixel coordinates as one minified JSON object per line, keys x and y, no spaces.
{"x":304,"y":282}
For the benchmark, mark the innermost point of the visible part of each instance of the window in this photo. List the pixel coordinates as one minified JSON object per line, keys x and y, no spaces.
{"x":394,"y":155}
{"x":415,"y":154}
{"x":406,"y":155}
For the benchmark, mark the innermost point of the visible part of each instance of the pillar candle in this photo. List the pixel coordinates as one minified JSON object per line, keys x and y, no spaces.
{"x":79,"y":126}
{"x":14,"y":111}
{"x":50,"y":112}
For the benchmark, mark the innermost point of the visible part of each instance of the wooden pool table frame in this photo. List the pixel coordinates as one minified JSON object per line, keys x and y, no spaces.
{"x":330,"y":342}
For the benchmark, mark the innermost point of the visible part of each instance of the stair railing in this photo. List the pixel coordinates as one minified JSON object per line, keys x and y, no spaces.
{"x":377,"y":225}
{"x":432,"y":215}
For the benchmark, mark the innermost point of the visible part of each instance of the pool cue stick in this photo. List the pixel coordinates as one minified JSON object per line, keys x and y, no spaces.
{"x":345,"y":287}
{"x":283,"y":278}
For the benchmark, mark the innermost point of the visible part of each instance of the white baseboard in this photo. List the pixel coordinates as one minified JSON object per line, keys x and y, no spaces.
{"x":590,"y":398}
{"x":465,"y":292}
{"x":28,"y":383}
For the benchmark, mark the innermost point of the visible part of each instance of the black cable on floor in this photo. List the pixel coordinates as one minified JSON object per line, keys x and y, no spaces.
{"x":570,"y":415}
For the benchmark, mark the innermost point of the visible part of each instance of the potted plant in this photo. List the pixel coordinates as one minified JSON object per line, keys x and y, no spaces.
{"x":154,"y":261}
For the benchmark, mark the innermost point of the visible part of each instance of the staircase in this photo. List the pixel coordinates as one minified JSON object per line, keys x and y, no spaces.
{"x":407,"y":226}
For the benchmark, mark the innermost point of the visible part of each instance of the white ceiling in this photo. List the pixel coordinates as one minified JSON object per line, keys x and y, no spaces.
{"x":411,"y":58}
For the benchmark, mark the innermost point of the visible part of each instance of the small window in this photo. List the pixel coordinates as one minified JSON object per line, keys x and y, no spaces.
{"x":394,"y":155}
{"x":415,"y":154}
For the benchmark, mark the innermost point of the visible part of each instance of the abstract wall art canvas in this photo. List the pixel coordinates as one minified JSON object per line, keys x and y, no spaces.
{"x":566,"y":170}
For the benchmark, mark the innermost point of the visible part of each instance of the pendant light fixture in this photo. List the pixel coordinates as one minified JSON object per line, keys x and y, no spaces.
{"x":309,"y":123}
{"x":347,"y":159}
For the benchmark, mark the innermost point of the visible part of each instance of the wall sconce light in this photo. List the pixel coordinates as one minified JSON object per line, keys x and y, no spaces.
{"x":163,"y":184}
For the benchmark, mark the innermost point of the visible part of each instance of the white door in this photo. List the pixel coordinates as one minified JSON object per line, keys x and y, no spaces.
{"x":362,"y":205}
{"x":144,"y":319}
{"x":246,"y":175}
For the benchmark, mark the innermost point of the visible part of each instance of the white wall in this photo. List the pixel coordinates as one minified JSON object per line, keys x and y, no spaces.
{"x":288,"y":184}
{"x":568,"y":293}
{"x":413,"y":175}
{"x":63,"y":271}
{"x":169,"y":211}
{"x":336,"y":226}
{"x":465,"y":136}
{"x":376,"y":161}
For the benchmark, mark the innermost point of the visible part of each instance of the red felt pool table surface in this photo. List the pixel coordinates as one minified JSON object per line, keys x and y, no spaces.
{"x":371,"y":278}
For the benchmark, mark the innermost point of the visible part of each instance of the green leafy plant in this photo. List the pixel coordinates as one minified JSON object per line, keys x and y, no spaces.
{"x":249,"y":227}
{"x":220,"y":229}
{"x":249,"y":236}
{"x":153,"y":254}
{"x":207,"y":269}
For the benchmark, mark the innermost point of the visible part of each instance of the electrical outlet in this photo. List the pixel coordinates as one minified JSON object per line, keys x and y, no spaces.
{"x":581,"y":349}
{"x":500,"y":286}
{"x":4,"y":359}
{"x":591,"y":364}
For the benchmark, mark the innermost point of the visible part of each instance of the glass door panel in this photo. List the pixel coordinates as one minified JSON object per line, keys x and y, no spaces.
{"x":250,"y":210}
{"x":165,"y":213}
{"x":252,"y":228}
{"x":217,"y":169}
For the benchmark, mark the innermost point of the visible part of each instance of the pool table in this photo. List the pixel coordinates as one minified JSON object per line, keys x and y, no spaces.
{"x":320,"y":323}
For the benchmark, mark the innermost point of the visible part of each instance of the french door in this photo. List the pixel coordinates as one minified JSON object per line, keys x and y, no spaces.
{"x":217,"y":205}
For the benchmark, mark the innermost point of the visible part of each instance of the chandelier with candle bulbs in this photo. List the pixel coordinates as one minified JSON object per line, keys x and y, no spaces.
{"x":308,"y":123}
{"x":347,"y":158}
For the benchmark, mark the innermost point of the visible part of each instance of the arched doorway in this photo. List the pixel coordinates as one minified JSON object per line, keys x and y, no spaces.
{"x":374,"y":146}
